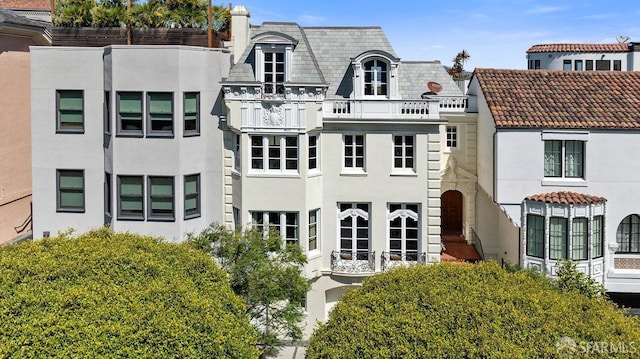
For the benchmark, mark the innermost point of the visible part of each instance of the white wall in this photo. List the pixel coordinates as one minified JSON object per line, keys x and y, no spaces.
{"x":555,"y":60}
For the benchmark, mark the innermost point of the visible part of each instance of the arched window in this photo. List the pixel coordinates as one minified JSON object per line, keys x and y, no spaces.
{"x":376,"y":78}
{"x":628,"y":235}
{"x":403,"y":231}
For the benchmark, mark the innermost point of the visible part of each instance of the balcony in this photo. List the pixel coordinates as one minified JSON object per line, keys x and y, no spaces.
{"x":429,"y":108}
{"x":395,"y":259}
{"x":353,"y":263}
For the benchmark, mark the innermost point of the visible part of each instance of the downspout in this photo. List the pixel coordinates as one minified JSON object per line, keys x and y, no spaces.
{"x":495,"y":170}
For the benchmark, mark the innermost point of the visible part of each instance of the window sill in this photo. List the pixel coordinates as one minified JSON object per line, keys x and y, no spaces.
{"x":192,"y":216}
{"x":161,"y":219}
{"x":127,"y":218}
{"x":70,"y":210}
{"x":159,"y":135}
{"x":314,"y":174}
{"x":70,"y":132}
{"x":191,"y":134}
{"x":353,"y":173}
{"x":565,"y":182}
{"x":130,"y":134}
{"x":273,"y":175}
{"x":407,"y":173}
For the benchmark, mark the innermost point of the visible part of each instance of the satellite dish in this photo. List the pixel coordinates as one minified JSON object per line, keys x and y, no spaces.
{"x":434,"y":86}
{"x":622,"y":39}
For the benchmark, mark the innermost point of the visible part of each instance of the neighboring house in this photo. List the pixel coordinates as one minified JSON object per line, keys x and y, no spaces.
{"x":16,"y":35}
{"x":127,"y":136}
{"x":334,"y":141}
{"x":558,"y":172}
{"x":33,"y":9}
{"x":585,"y":57}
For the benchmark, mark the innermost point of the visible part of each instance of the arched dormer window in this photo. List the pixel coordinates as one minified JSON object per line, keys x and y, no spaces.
{"x":376,"y":78}
{"x":375,"y":75}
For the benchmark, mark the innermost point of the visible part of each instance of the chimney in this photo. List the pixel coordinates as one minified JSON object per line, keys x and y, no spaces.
{"x":239,"y":30}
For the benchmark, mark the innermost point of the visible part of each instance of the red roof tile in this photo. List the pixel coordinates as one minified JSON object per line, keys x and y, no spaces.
{"x":26,"y":4}
{"x":562,"y":99}
{"x":579,"y":48}
{"x":566,"y":198}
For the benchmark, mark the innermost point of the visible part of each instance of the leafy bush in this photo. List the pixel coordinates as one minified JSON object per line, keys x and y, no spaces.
{"x":470,"y":311}
{"x":117,"y":295}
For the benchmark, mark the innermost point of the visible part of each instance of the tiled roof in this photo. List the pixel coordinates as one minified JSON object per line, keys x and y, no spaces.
{"x":11,"y":17}
{"x":562,"y":99}
{"x":566,"y":198}
{"x":26,"y":4}
{"x":579,"y":48}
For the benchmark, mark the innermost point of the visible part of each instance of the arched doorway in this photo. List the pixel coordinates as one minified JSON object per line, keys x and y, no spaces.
{"x":451,"y":212}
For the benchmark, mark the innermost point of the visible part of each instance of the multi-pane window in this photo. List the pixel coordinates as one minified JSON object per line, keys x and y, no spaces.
{"x":70,"y":110}
{"x":564,"y":159}
{"x":577,"y":65}
{"x":534,"y":64}
{"x":579,"y":242}
{"x":375,"y":78}
{"x":566,"y":65}
{"x":597,"y":239}
{"x":403,"y":152}
{"x":354,"y":229}
{"x":274,"y":72}
{"x":130,"y":197}
{"x":313,"y":229}
{"x":130,"y":113}
{"x":161,"y":193}
{"x":452,"y":137}
{"x":191,"y":114}
{"x":354,"y":151}
{"x":535,"y":235}
{"x":160,"y":113}
{"x":70,"y":184}
{"x":313,"y":152}
{"x":285,"y":223}
{"x":191,"y":196}
{"x":617,"y":65}
{"x":557,"y":238}
{"x":588,"y":65}
{"x":603,"y":65}
{"x":274,"y":153}
{"x":628,"y":235}
{"x":403,"y":232}
{"x":236,"y":140}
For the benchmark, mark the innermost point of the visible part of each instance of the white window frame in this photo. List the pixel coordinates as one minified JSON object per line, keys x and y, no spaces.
{"x":236,"y":143}
{"x":404,"y":153}
{"x":452,"y":137}
{"x":378,"y":77}
{"x":352,"y":212}
{"x":316,"y":148}
{"x":403,"y":213}
{"x":354,"y":157}
{"x":315,"y":225}
{"x":282,"y":158}
{"x":289,"y":232}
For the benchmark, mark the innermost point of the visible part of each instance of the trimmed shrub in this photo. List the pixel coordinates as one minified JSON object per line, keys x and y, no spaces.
{"x":471,"y":311}
{"x":117,"y":295}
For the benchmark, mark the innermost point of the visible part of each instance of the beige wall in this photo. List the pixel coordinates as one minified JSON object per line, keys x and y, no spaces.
{"x":15,"y":127}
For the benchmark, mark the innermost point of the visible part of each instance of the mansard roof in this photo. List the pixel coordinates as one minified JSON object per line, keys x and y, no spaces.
{"x":566,"y":198}
{"x":578,"y":48}
{"x":323,"y":56}
{"x":561,"y":99}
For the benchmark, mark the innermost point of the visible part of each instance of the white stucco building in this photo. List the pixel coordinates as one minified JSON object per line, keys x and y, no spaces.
{"x":558,"y":172}
{"x":621,"y":56}
{"x":127,"y":136}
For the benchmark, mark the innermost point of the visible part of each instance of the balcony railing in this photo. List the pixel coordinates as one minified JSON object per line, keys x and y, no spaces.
{"x":395,"y":259}
{"x":356,"y":262}
{"x":428,"y":108}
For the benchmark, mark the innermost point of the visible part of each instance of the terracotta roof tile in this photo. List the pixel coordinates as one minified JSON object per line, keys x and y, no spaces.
{"x":562,"y":99}
{"x":26,"y":4}
{"x":566,"y":198}
{"x":579,"y":48}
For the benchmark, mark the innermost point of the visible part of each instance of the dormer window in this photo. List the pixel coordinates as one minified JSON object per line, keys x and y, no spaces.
{"x":274,"y":72}
{"x":376,"y":78}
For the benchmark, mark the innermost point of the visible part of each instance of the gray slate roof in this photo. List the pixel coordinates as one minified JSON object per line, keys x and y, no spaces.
{"x":9,"y":17}
{"x":323,"y":56}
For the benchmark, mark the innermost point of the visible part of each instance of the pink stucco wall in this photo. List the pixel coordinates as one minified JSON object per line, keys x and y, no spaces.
{"x":15,"y":135}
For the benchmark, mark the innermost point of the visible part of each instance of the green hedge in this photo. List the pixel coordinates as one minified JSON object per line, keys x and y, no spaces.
{"x":471,"y":311}
{"x":117,"y":295}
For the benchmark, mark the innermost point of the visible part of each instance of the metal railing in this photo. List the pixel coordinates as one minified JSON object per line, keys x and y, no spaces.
{"x":477,"y":243}
{"x":353,"y":262}
{"x":398,"y":259}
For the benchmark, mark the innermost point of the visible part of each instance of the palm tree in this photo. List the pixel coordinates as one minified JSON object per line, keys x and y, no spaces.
{"x":457,"y":70}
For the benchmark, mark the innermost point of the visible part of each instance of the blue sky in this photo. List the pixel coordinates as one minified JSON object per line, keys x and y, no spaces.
{"x":496,"y":33}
